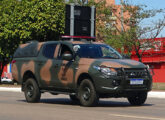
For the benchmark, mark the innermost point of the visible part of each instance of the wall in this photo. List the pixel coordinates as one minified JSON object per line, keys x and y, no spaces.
{"x":155,"y":58}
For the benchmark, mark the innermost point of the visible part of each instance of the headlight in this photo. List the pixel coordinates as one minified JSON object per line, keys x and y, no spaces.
{"x":106,"y":70}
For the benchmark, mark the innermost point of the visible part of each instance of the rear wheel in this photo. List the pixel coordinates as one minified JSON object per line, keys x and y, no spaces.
{"x":32,"y":92}
{"x":138,"y":98}
{"x":87,"y":93}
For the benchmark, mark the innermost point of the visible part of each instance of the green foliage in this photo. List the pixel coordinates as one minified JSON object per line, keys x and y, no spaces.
{"x":130,"y":38}
{"x":24,"y":20}
{"x":109,"y":31}
{"x":80,"y":2}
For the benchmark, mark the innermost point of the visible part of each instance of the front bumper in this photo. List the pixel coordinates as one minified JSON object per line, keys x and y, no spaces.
{"x":120,"y":84}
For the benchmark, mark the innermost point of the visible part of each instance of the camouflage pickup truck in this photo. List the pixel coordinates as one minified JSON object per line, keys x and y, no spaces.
{"x":86,"y":71}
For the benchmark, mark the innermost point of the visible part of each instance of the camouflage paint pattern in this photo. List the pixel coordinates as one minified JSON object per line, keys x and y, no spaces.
{"x":122,"y":63}
{"x":65,"y":74}
{"x":78,"y":42}
{"x":56,"y":51}
{"x":27,"y":66}
{"x":24,"y":45}
{"x":14,"y":72}
{"x":46,"y":74}
{"x":83,"y":66}
{"x":39,"y":46}
{"x":24,"y":65}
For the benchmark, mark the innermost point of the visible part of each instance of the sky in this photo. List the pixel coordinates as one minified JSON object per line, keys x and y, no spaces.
{"x":151,"y":4}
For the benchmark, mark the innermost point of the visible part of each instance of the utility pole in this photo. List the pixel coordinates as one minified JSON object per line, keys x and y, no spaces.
{"x":122,"y":22}
{"x":122,"y":18}
{"x":84,"y":1}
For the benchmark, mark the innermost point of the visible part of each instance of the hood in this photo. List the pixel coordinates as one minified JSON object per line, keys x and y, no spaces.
{"x":118,"y":63}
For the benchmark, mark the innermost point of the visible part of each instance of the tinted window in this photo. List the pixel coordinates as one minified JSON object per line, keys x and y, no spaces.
{"x":89,"y":51}
{"x":29,"y":50}
{"x":64,"y":50}
{"x":49,"y":50}
{"x":97,"y":51}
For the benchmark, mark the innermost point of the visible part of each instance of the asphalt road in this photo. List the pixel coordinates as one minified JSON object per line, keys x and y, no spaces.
{"x":14,"y":107}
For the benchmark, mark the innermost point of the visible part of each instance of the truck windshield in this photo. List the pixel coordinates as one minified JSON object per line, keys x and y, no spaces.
{"x":96,"y":51}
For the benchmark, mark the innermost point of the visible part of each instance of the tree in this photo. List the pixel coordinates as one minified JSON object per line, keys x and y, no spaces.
{"x":103,"y":13}
{"x":135,"y":36}
{"x":24,"y":20}
{"x":80,"y":2}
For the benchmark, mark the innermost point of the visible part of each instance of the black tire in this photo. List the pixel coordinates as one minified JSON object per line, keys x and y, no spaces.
{"x":138,"y":98}
{"x":32,"y":92}
{"x":74,"y":98}
{"x":87,"y":94}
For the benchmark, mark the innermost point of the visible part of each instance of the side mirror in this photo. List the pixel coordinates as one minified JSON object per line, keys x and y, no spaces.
{"x":67,"y":56}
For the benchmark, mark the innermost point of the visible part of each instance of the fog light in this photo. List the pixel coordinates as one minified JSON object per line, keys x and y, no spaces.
{"x":115,"y":83}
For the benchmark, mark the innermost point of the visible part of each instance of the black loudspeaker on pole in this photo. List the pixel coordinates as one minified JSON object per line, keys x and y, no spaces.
{"x":80,"y":21}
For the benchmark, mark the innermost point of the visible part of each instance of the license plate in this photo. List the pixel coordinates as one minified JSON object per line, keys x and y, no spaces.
{"x":136,"y":81}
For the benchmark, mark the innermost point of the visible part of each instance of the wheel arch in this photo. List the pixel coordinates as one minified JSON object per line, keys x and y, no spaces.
{"x":28,"y":74}
{"x":84,"y":76}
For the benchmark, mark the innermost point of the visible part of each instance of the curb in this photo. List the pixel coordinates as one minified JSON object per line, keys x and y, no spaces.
{"x":152,"y":94}
{"x":155,"y":94}
{"x":7,"y":89}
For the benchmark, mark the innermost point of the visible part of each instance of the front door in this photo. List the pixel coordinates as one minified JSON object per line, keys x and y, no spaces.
{"x":67,"y":68}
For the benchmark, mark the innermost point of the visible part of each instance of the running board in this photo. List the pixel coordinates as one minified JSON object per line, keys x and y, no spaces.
{"x":58,"y":92}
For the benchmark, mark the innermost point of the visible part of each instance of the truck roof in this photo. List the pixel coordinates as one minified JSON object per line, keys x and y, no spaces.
{"x":28,"y":49}
{"x":32,"y":48}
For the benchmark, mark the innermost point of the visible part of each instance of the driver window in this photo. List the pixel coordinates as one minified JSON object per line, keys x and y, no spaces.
{"x":64,"y":50}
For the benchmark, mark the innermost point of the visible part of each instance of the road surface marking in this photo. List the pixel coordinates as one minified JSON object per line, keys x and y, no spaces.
{"x":137,"y":117}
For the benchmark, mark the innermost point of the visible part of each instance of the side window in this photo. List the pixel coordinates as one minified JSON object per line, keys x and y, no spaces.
{"x":109,"y":53}
{"x":49,"y":50}
{"x":64,"y":50}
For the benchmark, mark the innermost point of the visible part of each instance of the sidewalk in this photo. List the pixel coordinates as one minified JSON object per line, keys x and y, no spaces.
{"x":156,"y":94}
{"x":8,"y":89}
{"x":152,"y":94}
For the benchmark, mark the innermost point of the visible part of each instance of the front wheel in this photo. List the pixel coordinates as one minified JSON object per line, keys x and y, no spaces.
{"x":32,"y":92}
{"x":87,"y":93}
{"x":138,"y":98}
